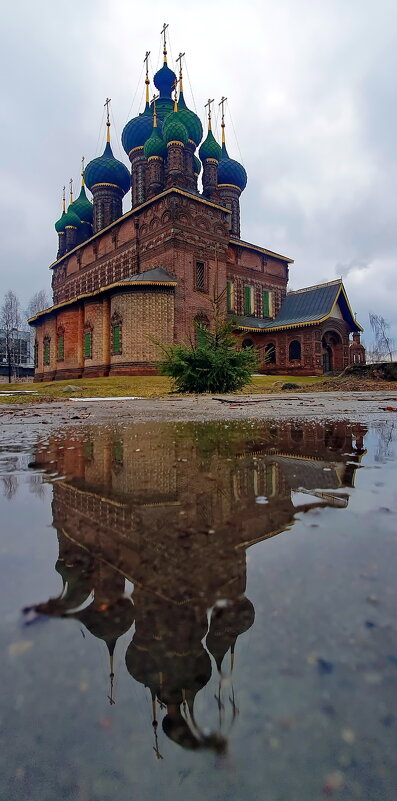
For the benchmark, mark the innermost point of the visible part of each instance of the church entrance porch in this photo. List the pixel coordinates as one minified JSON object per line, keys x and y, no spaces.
{"x":332,"y":352}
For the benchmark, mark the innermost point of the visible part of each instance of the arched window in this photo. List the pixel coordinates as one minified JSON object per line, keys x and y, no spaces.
{"x":270,"y":353}
{"x":116,"y":334}
{"x":201,"y":325}
{"x":88,"y":341}
{"x":60,"y":343}
{"x":46,"y":349}
{"x":247,"y":343}
{"x":295,"y":351}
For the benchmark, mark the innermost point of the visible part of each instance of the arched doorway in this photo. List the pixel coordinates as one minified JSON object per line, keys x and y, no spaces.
{"x":332,"y":349}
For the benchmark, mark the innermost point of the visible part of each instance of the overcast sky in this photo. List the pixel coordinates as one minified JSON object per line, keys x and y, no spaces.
{"x":311,"y":90}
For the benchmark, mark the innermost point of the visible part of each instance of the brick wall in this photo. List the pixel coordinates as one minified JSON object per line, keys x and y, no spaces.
{"x":146,"y":317}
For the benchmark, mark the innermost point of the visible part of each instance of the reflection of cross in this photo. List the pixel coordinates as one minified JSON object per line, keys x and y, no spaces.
{"x":71,"y":189}
{"x":106,"y":103}
{"x":64,"y":198}
{"x":82,"y":165}
{"x":208,"y":103}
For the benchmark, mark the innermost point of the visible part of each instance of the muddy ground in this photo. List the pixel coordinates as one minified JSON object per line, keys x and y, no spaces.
{"x":355,"y":406}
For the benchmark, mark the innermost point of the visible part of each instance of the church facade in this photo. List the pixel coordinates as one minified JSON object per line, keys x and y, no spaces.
{"x":126,"y":284}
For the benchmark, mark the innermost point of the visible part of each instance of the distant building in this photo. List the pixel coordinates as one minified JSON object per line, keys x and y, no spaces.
{"x":124,"y":282}
{"x":20,"y":349}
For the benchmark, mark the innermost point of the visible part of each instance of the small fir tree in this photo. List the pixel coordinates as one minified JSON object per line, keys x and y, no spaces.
{"x":213,"y":364}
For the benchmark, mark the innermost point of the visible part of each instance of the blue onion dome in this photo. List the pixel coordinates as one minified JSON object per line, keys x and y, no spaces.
{"x":71,"y":219}
{"x":164,"y":80}
{"x":210,"y":148}
{"x":155,"y":145}
{"x":174,"y":129}
{"x":191,"y":121}
{"x":137,"y":131}
{"x":197,"y":165}
{"x":231,"y":171}
{"x":82,"y":207}
{"x":107,"y":170}
{"x":60,"y":224}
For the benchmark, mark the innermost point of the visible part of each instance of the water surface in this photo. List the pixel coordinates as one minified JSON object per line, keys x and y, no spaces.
{"x":199,"y":611}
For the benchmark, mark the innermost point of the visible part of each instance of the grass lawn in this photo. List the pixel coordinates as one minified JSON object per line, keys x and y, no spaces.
{"x":143,"y":386}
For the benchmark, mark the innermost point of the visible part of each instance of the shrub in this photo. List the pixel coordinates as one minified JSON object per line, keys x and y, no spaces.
{"x":214,"y":365}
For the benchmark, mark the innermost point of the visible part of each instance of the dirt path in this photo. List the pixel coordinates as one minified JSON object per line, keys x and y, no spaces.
{"x":356,"y":406}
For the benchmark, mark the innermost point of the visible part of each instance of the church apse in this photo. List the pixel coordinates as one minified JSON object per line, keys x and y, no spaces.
{"x":172,"y":510}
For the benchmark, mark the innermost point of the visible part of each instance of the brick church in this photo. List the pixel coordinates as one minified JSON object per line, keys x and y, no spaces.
{"x":124,"y":282}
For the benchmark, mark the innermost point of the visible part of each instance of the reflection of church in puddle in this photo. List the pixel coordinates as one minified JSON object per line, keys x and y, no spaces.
{"x":173,"y":509}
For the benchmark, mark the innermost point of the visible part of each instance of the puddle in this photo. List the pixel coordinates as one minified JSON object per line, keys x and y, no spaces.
{"x":199,"y":610}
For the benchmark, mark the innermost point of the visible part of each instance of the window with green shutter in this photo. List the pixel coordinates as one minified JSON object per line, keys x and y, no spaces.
{"x":60,"y":347}
{"x":229,"y":295}
{"x":266,"y":303}
{"x":247,"y":300}
{"x":46,"y":351}
{"x":116,"y":339}
{"x":88,"y":344}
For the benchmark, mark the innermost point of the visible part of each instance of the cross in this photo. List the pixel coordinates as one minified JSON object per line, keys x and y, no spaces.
{"x":71,"y":190}
{"x":106,"y":103}
{"x":146,"y":61}
{"x":222,"y":103}
{"x":82,"y":165}
{"x":63,"y":198}
{"x":180,"y":57}
{"x":162,"y":33}
{"x":208,"y":103}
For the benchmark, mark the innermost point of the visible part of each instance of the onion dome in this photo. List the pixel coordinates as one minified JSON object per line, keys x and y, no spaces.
{"x":82,"y":206}
{"x":107,"y":170}
{"x":165,"y":79}
{"x":71,"y":220}
{"x":197,"y":165}
{"x":155,"y":145}
{"x":137,"y":131}
{"x":174,"y":130}
{"x":231,"y":171}
{"x":190,"y":120}
{"x":210,"y":148}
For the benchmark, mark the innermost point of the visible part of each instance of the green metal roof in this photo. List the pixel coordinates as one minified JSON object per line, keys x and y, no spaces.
{"x":156,"y":275}
{"x":308,"y":306}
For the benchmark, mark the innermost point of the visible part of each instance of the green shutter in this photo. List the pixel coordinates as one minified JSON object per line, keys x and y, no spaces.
{"x":60,"y":346}
{"x":201,"y":337}
{"x":229,"y":295}
{"x":87,"y":344}
{"x":247,"y":300}
{"x":266,"y":305}
{"x":116,"y":339}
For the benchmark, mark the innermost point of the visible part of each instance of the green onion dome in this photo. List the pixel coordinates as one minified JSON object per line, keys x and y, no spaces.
{"x":164,"y":106}
{"x":164,"y":80}
{"x":137,"y":131}
{"x":191,"y":121}
{"x":210,"y":148}
{"x":174,"y":129}
{"x":155,"y":145}
{"x":82,"y":207}
{"x":230,"y":171}
{"x":60,"y":224}
{"x":71,"y":219}
{"x":107,"y":170}
{"x":197,"y":165}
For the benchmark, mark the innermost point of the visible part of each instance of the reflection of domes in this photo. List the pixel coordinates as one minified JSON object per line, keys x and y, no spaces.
{"x":60,"y":224}
{"x":210,"y":148}
{"x":231,"y":171}
{"x":107,"y":170}
{"x":227,"y":622}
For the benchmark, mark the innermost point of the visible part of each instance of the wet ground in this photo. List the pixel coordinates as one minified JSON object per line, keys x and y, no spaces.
{"x":199,"y":610}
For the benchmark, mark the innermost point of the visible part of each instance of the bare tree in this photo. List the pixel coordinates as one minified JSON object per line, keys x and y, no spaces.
{"x":383,"y":346}
{"x":10,"y":322}
{"x":38,"y":302}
